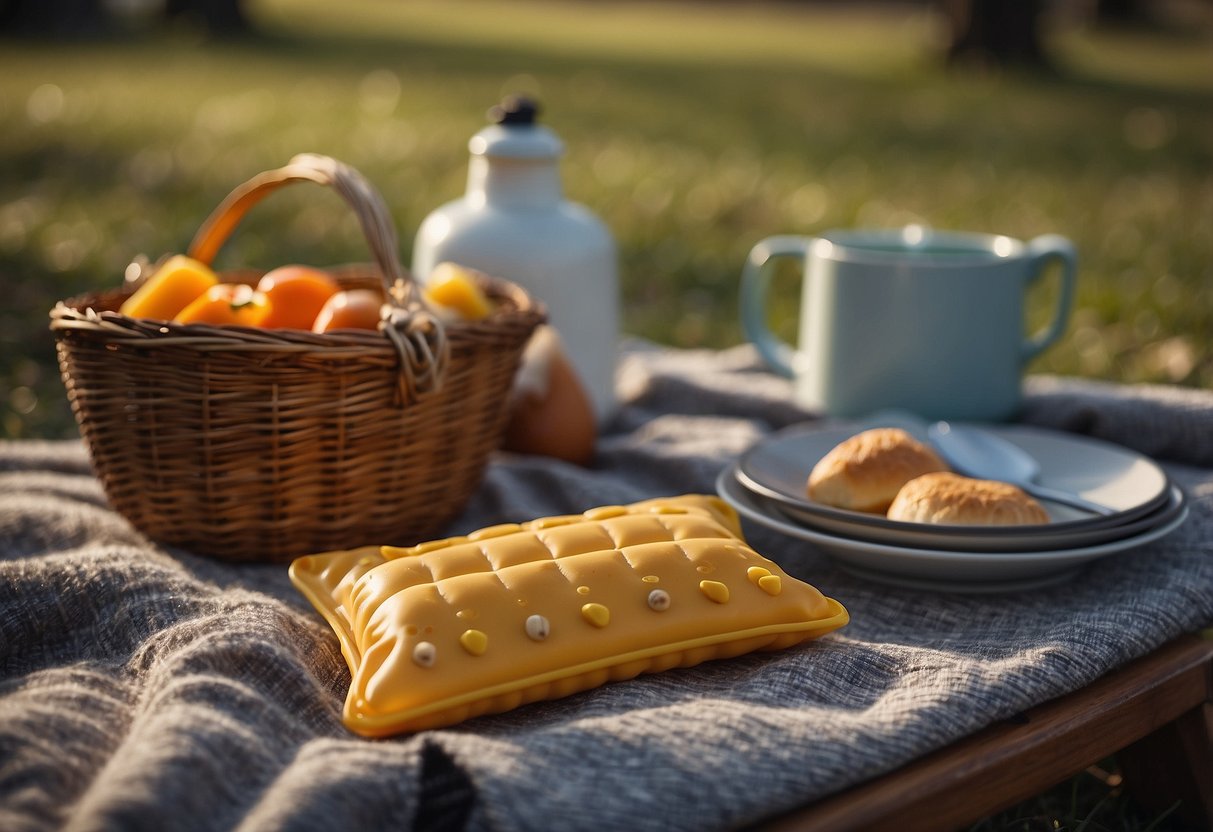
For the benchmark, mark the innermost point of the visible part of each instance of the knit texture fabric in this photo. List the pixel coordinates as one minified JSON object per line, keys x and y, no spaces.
{"x":143,"y":687}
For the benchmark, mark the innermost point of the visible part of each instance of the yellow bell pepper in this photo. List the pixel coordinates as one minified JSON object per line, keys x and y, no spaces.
{"x":174,"y":285}
{"x":453,"y":287}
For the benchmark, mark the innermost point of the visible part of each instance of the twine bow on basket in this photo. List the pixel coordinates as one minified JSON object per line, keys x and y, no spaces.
{"x":421,"y":343}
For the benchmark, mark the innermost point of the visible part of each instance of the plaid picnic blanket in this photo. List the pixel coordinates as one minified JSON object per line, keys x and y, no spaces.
{"x":142,"y":687}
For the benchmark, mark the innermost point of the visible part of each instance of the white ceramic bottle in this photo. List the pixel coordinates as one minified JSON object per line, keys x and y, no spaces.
{"x":514,"y":222}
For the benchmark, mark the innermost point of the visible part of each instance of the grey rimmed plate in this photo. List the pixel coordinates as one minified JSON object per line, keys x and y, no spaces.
{"x":1134,"y":486}
{"x":948,"y":570}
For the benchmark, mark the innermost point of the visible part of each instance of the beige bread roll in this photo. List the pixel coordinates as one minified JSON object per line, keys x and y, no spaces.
{"x":865,"y":472}
{"x":950,"y":499}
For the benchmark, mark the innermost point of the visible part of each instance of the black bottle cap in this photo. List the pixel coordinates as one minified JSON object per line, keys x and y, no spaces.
{"x":515,"y":109}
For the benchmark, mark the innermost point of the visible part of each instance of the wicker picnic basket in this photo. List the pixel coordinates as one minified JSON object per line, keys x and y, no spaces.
{"x":261,"y":445}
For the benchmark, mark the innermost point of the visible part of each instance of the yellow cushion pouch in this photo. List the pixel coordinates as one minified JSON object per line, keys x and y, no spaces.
{"x":452,"y":629}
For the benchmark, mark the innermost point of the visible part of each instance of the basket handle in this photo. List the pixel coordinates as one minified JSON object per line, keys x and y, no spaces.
{"x":417,"y":334}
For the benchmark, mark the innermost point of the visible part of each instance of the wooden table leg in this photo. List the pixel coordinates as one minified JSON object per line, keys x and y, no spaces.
{"x":1174,"y":765}
{"x":1010,"y":762}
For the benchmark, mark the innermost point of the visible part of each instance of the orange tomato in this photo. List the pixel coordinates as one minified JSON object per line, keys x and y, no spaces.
{"x":295,"y":295}
{"x":226,"y":303}
{"x":351,"y":309}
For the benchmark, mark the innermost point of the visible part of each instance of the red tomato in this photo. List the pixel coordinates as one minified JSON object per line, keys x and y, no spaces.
{"x":295,"y":295}
{"x":351,"y":309}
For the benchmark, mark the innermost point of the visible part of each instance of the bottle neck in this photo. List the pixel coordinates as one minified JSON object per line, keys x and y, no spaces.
{"x":516,"y":183}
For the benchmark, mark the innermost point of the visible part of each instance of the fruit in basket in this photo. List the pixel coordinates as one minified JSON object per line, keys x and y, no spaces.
{"x":227,"y":303}
{"x":550,"y":412}
{"x":173,"y":286}
{"x":295,"y":295}
{"x":351,"y":309}
{"x":453,"y":288}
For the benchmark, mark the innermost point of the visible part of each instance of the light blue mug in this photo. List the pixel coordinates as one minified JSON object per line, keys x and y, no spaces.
{"x":929,"y":321}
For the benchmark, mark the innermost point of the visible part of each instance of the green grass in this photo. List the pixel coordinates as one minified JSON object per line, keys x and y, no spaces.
{"x":694,"y":130}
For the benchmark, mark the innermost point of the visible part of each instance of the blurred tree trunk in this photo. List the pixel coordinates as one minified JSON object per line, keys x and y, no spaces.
{"x":999,"y":32}
{"x":81,"y":18}
{"x":52,"y":18}
{"x":1119,"y":11}
{"x":224,"y":17}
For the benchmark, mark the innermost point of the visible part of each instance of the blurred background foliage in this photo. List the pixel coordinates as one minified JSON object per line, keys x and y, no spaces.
{"x":693,"y":129}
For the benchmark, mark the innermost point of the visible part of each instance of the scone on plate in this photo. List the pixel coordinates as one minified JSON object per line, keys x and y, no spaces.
{"x":953,"y":500}
{"x":865,"y":472}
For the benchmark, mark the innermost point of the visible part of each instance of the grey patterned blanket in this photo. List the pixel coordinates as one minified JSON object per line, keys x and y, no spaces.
{"x":147,"y":688}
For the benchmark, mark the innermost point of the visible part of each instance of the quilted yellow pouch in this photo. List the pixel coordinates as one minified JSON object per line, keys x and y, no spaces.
{"x":452,"y":629}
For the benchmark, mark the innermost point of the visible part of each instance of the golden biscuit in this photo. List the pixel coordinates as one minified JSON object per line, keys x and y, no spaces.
{"x":950,"y":499}
{"x":865,"y":472}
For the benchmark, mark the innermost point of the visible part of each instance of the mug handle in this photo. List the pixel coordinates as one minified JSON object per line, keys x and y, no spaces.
{"x":755,"y":284}
{"x":1041,"y":250}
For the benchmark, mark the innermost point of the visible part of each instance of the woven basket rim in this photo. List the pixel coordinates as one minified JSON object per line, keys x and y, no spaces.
{"x":81,"y":313}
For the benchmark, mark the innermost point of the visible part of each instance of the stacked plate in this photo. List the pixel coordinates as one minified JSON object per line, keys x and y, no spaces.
{"x":767,"y":486}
